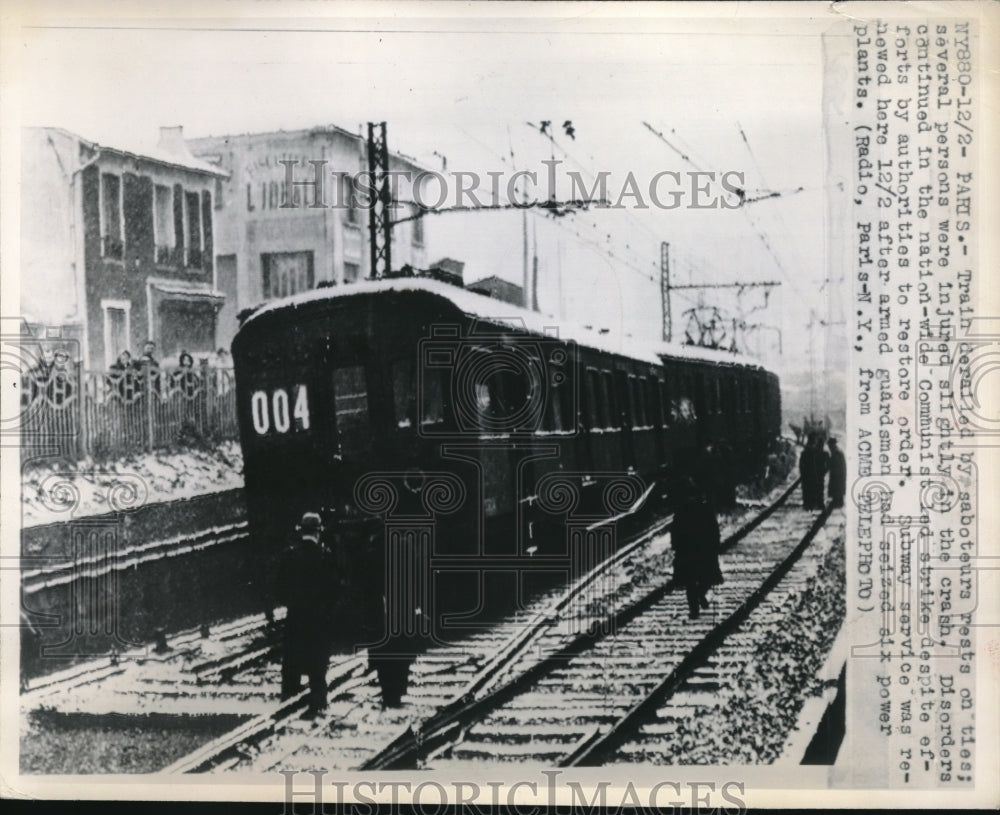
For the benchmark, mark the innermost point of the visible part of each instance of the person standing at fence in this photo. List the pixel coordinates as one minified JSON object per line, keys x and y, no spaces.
{"x":838,"y":474}
{"x":185,"y":377}
{"x":148,"y":366}
{"x":223,"y":371}
{"x":61,"y":384}
{"x":121,"y":376}
{"x":38,"y":376}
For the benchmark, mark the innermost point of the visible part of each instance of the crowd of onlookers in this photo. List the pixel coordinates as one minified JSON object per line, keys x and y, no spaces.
{"x":55,"y":375}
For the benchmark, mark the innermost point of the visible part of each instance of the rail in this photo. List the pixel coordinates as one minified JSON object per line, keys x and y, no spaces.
{"x":411,"y":746}
{"x":600,"y":746}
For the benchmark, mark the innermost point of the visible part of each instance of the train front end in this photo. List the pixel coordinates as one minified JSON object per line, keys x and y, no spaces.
{"x":302,"y":408}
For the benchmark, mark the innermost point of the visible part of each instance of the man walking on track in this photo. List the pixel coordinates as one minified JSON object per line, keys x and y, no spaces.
{"x":695,"y":539}
{"x":838,"y":474}
{"x":813,"y":464}
{"x":305,"y":584}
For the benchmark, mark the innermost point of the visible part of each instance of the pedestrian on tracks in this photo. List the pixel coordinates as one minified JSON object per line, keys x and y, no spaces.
{"x":838,"y":474}
{"x":812,"y":469}
{"x":695,"y":539}
{"x":305,"y":583}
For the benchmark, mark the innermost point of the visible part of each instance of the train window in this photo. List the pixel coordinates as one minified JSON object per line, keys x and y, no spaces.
{"x":404,"y":392}
{"x":631,"y":408}
{"x":554,"y":409}
{"x":635,"y":411}
{"x":645,"y":402}
{"x":350,"y":399}
{"x":593,"y":417}
{"x":432,"y":396}
{"x":609,"y":418}
{"x":646,"y":397}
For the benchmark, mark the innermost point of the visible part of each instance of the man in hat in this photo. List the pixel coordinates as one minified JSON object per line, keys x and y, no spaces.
{"x":148,"y":365}
{"x":838,"y":474}
{"x":305,"y":586}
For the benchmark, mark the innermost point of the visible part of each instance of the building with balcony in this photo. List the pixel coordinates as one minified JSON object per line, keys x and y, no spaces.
{"x":273,"y":238}
{"x":117,"y":244}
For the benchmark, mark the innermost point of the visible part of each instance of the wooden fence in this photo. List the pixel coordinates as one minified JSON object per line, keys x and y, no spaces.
{"x":75,"y":413}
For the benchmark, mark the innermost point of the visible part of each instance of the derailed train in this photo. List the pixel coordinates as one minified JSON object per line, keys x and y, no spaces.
{"x":484,"y":438}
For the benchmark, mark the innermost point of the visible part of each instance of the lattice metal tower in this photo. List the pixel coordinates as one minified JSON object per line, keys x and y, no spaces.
{"x":379,"y":225}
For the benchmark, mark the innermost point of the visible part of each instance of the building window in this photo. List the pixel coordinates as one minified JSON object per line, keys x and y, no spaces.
{"x":218,"y":193}
{"x":352,"y":271}
{"x":347,"y":191}
{"x":418,"y":230}
{"x":192,"y":230}
{"x":163,"y":222}
{"x":117,"y":319}
{"x":285,"y":273}
{"x":272,"y":195}
{"x":111,"y":216}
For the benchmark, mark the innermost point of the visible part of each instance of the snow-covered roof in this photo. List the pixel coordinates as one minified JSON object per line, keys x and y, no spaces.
{"x":187,"y":289}
{"x":503,"y":314}
{"x":147,"y":152}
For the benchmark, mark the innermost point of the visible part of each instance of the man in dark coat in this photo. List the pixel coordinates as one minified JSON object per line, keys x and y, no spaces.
{"x":819,"y":474}
{"x":148,"y":365}
{"x":807,"y":472}
{"x":305,"y":587}
{"x":695,"y":539}
{"x":838,"y":474}
{"x":813,"y":464}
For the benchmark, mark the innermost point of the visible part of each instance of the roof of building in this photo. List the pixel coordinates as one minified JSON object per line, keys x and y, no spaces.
{"x":316,"y":130}
{"x":492,"y":280}
{"x":501,"y":313}
{"x":144,"y":152}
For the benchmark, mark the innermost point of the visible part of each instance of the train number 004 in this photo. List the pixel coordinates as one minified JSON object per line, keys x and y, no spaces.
{"x":278,"y":413}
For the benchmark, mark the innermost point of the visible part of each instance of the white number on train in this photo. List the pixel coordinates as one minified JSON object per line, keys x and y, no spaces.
{"x":274,"y":412}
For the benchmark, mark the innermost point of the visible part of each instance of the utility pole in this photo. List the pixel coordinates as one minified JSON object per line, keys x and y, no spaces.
{"x":379,"y":224}
{"x":813,"y":322}
{"x":665,"y":290}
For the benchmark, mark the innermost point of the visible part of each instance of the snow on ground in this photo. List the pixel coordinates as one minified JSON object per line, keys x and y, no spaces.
{"x":58,"y":491}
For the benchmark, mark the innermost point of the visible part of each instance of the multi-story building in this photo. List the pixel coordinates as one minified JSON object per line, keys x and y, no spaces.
{"x":117,"y":244}
{"x":275,"y":238}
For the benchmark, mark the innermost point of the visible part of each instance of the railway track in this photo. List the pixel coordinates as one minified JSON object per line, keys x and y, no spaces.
{"x":583,"y":701}
{"x":451,"y":686}
{"x":473,"y":700}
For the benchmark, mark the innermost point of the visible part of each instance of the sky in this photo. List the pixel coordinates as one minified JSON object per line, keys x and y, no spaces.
{"x":742,"y":95}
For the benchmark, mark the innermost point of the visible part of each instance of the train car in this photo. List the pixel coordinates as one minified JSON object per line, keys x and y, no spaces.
{"x":476,"y":432}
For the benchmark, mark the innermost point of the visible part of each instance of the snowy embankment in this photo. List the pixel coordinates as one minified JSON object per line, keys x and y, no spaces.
{"x":52,"y":492}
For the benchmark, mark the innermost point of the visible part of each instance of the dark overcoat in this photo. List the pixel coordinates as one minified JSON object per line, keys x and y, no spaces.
{"x":695,"y":539}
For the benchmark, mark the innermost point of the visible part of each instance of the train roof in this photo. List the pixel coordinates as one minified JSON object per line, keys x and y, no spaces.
{"x":501,"y":313}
